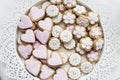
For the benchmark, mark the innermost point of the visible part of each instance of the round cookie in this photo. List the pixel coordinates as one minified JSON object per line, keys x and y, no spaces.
{"x":70,"y":45}
{"x":86,"y":43}
{"x":54,"y":43}
{"x":64,"y":57}
{"x":56,"y":30}
{"x":82,"y":21}
{"x":66,"y":36}
{"x":61,"y":7}
{"x":86,"y":67}
{"x":52,"y":11}
{"x":96,"y":32}
{"x":93,"y":56}
{"x":74,"y":73}
{"x":58,"y":18}
{"x":75,"y":59}
{"x":45,"y":5}
{"x":98,"y":44}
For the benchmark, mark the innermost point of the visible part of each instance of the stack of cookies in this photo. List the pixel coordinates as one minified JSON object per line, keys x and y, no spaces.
{"x":60,"y":40}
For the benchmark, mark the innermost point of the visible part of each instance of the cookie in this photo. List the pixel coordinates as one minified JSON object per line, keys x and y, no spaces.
{"x":36,"y":14}
{"x":82,"y":21}
{"x":96,"y":32}
{"x":74,"y":73}
{"x":61,"y":7}
{"x":79,"y":32}
{"x":46,"y":72}
{"x":60,"y":75}
{"x":25,"y":23}
{"x":36,"y":44}
{"x":64,"y":57}
{"x":56,"y":30}
{"x":52,"y":11}
{"x":45,"y":5}
{"x":70,"y":45}
{"x":54,"y":60}
{"x":54,"y":43}
{"x":93,"y":17}
{"x":79,"y":50}
{"x":42,"y":24}
{"x":25,"y":50}
{"x":69,"y":18}
{"x":43,"y":36}
{"x":75,"y":59}
{"x":86,"y":67}
{"x":70,"y":27}
{"x":86,"y":43}
{"x":98,"y":44}
{"x":40,"y":52}
{"x":28,"y":37}
{"x":58,"y":18}
{"x":33,"y":66}
{"x":66,"y":36}
{"x":79,"y":10}
{"x":93,"y":56}
{"x":55,"y":1}
{"x":70,"y":3}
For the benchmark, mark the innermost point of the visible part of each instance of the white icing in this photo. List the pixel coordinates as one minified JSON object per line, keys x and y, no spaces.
{"x":52,"y":11}
{"x":55,"y":1}
{"x":69,"y":18}
{"x":56,"y":31}
{"x":70,"y":45}
{"x":96,"y":32}
{"x":79,"y":10}
{"x":57,"y":19}
{"x":93,"y":56}
{"x":86,"y":67}
{"x":79,"y":32}
{"x":70,"y":3}
{"x":93,"y":17}
{"x":64,"y":57}
{"x":74,"y":73}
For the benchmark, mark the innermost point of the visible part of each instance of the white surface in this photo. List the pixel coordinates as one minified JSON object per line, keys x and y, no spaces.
{"x":7,"y":6}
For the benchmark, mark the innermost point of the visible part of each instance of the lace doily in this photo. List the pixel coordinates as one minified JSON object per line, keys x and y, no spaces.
{"x":15,"y":68}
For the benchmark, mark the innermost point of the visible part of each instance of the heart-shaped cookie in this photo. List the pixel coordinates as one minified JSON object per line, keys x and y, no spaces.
{"x":28,"y":37}
{"x":33,"y":66}
{"x":40,"y":52}
{"x":25,"y":50}
{"x":55,"y":59}
{"x":36,"y":13}
{"x":46,"y":72}
{"x":25,"y":22}
{"x":43,"y":37}
{"x":60,"y":75}
{"x":46,"y":24}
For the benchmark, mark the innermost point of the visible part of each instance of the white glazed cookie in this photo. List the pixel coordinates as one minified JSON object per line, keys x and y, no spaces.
{"x":58,"y":18}
{"x":79,"y":50}
{"x":98,"y":44}
{"x":75,"y":59}
{"x":70,"y":45}
{"x":93,"y":56}
{"x":74,"y":73}
{"x":78,"y":10}
{"x":52,"y":11}
{"x":69,"y":18}
{"x":56,"y":30}
{"x":86,"y":43}
{"x":82,"y":21}
{"x":86,"y":67}
{"x":66,"y":36}
{"x":55,"y":1}
{"x":64,"y":57}
{"x":79,"y":32}
{"x":45,"y":5}
{"x":61,"y":7}
{"x":93,"y":17}
{"x":54,"y":43}
{"x":96,"y":32}
{"x":70,"y":3}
